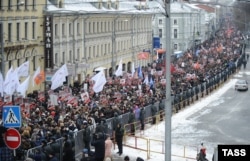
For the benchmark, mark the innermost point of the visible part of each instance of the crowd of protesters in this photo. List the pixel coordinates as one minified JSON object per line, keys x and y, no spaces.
{"x":43,"y":122}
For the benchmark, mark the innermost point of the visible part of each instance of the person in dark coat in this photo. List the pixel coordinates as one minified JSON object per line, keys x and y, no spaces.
{"x":68,"y":153}
{"x":142,"y":118}
{"x":131,"y":121}
{"x":119,"y":132}
{"x":55,"y":146}
{"x":161,"y":109}
{"x":99,"y":144}
{"x":52,"y":157}
{"x":86,"y":135}
{"x":46,"y":149}
{"x":153,"y":112}
{"x":115,"y":121}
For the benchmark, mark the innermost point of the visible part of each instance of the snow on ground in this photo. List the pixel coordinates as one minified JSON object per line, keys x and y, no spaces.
{"x":181,"y":123}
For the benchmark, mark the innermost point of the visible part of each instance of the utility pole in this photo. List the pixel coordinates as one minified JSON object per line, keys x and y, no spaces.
{"x":168,"y":107}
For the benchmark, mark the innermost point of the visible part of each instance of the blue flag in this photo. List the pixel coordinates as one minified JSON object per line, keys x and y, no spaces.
{"x":151,"y":83}
{"x":140,"y":72}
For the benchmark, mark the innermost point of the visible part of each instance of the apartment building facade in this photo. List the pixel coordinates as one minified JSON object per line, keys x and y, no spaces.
{"x":95,"y":34}
{"x":22,"y":35}
{"x":190,"y":24}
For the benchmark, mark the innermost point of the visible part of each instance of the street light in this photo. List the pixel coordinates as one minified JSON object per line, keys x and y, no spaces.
{"x":168,"y":108}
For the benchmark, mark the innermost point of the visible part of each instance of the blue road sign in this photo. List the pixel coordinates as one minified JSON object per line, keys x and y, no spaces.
{"x":11,"y":116}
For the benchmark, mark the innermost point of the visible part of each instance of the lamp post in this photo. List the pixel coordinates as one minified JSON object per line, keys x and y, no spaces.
{"x":168,"y":108}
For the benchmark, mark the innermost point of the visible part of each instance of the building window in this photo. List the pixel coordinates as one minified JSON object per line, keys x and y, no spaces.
{"x":89,"y":27}
{"x":78,"y":54}
{"x":94,"y":54}
{"x":160,"y":33}
{"x":56,"y":30}
{"x":33,"y":30}
{"x":63,"y":57}
{"x":94,"y":29}
{"x":9,"y":32}
{"x":18,"y":31}
{"x":1,"y":4}
{"x":89,"y":53}
{"x":9,"y":4}
{"x":63,"y":29}
{"x":97,"y":52}
{"x":70,"y":56}
{"x":175,"y":33}
{"x":101,"y":26}
{"x":56,"y":58}
{"x":18,"y":5}
{"x":175,"y":22}
{"x":26,"y":5}
{"x":78,"y":28}
{"x":160,"y":21}
{"x":26,"y":30}
{"x":108,"y":26}
{"x":70,"y":30}
{"x":98,"y":27}
{"x":34,"y":4}
{"x":175,"y":46}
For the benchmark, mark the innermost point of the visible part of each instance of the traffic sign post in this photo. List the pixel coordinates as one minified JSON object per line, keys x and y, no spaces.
{"x":12,"y":138}
{"x":11,"y":116}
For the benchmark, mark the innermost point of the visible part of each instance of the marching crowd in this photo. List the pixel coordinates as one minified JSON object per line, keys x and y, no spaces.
{"x":43,"y":123}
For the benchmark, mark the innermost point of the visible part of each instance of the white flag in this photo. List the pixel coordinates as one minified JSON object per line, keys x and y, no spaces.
{"x":35,"y":75}
{"x":23,"y":70}
{"x":133,"y":69}
{"x":53,"y":99}
{"x":100,"y":81}
{"x":146,"y":80}
{"x":62,"y":71}
{"x":59,"y":77}
{"x":11,"y":82}
{"x":1,"y":84}
{"x":118,"y":72}
{"x":8,"y":74}
{"x":22,"y":88}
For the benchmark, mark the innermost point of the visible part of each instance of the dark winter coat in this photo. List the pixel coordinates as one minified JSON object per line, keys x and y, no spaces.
{"x":142,"y":114}
{"x":86,"y":134}
{"x":119,"y":132}
{"x":131,"y":117}
{"x":54,"y":159}
{"x":153,"y":110}
{"x":99,"y":145}
{"x":161,"y":105}
{"x":115,"y":122}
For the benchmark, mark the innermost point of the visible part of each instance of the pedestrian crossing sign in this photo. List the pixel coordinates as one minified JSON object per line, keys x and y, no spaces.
{"x":11,"y":116}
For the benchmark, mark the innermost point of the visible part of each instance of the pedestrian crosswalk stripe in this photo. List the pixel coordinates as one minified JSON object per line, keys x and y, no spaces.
{"x":11,"y":118}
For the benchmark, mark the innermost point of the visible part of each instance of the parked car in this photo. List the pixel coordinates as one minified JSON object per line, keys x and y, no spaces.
{"x":241,"y":85}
